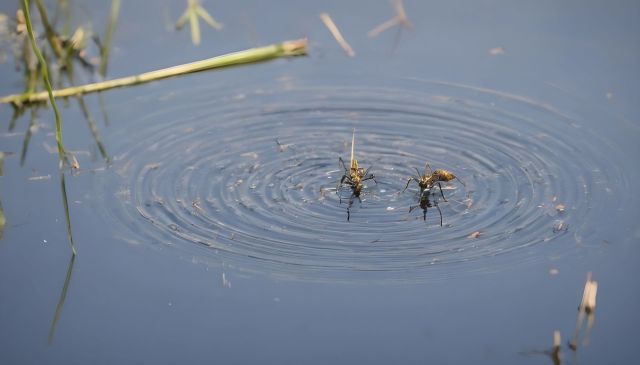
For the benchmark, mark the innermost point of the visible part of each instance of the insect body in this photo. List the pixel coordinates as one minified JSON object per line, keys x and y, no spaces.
{"x":354,"y":176}
{"x":426,"y":182}
{"x":429,"y":179}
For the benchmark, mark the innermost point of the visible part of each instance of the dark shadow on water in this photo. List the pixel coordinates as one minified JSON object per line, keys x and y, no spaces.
{"x":94,"y":128}
{"x":28,"y":134}
{"x":425,"y":203}
{"x":3,"y":219}
{"x":553,"y":354}
{"x":65,"y":201}
{"x":63,"y":296}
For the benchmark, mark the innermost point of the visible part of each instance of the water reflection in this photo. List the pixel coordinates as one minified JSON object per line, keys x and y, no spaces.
{"x":3,"y":219}
{"x":425,"y":203}
{"x":61,"y":300}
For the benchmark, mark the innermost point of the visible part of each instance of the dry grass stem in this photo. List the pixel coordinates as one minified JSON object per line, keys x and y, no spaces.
{"x":399,"y":19}
{"x":335,"y":32}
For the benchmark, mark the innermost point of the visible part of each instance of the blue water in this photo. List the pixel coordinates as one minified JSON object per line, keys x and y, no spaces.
{"x":205,"y":240}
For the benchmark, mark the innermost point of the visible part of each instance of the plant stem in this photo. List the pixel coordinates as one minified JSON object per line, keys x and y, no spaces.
{"x":104,"y":50}
{"x":284,"y":49}
{"x":48,"y":29}
{"x":52,"y":100}
{"x":45,"y":77}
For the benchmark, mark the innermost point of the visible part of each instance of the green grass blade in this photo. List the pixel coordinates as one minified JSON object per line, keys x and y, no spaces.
{"x":52,"y":100}
{"x":45,"y":77}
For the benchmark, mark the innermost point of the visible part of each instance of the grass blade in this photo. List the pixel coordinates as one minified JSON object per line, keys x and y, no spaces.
{"x":285,"y":49}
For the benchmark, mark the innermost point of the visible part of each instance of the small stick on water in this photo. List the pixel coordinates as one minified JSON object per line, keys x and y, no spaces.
{"x":335,"y":32}
{"x":399,"y":18}
{"x":555,"y":349}
{"x":586,"y":308}
{"x":588,"y":302}
{"x":285,"y":49}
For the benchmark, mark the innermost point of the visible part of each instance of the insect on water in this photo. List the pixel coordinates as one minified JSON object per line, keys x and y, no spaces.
{"x":426,"y":182}
{"x":353,"y":177}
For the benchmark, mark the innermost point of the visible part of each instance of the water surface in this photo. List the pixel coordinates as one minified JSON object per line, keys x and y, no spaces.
{"x":216,"y":235}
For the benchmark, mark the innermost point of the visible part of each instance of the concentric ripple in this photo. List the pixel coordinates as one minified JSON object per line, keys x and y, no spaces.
{"x":247,"y":177}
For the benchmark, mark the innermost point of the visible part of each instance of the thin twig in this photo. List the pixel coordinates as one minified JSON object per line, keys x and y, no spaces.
{"x":399,"y":19}
{"x":335,"y":32}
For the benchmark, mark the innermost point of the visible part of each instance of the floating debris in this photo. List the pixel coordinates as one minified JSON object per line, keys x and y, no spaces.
{"x":225,"y":282}
{"x":560,"y":208}
{"x":496,"y":51}
{"x":151,"y":166}
{"x":193,"y":12}
{"x":555,"y":349}
{"x":335,"y":32}
{"x":559,"y":226}
{"x":74,"y":162}
{"x":554,"y":271}
{"x":251,"y":155}
{"x":475,"y":234}
{"x":399,"y":19}
{"x":38,"y":178}
{"x":196,"y":204}
{"x":282,"y":146}
{"x":586,"y":308}
{"x":588,"y":302}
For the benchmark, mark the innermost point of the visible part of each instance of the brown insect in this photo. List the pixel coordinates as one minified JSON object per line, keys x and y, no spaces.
{"x":426,"y":182}
{"x":354,"y":176}
{"x":430,"y":178}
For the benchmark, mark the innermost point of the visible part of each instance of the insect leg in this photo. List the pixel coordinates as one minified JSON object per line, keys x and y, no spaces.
{"x":441,"y":193}
{"x":341,"y":162}
{"x":408,"y":181}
